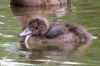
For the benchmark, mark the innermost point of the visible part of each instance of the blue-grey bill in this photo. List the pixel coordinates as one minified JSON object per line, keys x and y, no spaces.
{"x":26,"y":32}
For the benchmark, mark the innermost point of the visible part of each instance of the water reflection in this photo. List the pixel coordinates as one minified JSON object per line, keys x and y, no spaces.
{"x":25,"y":14}
{"x":11,"y":62}
{"x":41,"y":55}
{"x":44,"y":11}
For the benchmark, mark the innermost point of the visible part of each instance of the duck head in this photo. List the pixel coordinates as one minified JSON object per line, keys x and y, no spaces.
{"x":37,"y":26}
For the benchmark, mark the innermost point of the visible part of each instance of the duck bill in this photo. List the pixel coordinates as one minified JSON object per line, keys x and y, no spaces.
{"x":26,"y":32}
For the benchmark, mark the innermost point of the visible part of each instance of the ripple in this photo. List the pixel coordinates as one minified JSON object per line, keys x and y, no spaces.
{"x":11,"y":47}
{"x":2,"y":16}
{"x":12,"y":62}
{"x":9,"y":5}
{"x":1,"y":23}
{"x":7,"y":36}
{"x":0,"y":34}
{"x":62,"y":63}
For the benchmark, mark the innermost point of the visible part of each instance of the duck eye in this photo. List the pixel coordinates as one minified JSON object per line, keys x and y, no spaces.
{"x":35,"y":25}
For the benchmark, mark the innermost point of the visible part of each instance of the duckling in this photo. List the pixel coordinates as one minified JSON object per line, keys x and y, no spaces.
{"x":40,"y":31}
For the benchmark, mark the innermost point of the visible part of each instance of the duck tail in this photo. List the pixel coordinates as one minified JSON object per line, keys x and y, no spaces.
{"x":81,"y":36}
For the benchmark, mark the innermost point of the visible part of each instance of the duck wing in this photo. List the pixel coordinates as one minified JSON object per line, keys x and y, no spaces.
{"x":55,"y":31}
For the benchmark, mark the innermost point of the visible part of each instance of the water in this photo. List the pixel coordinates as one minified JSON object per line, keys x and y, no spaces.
{"x":12,"y":21}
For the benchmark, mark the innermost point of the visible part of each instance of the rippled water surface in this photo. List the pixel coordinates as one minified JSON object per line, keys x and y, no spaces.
{"x":83,"y":12}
